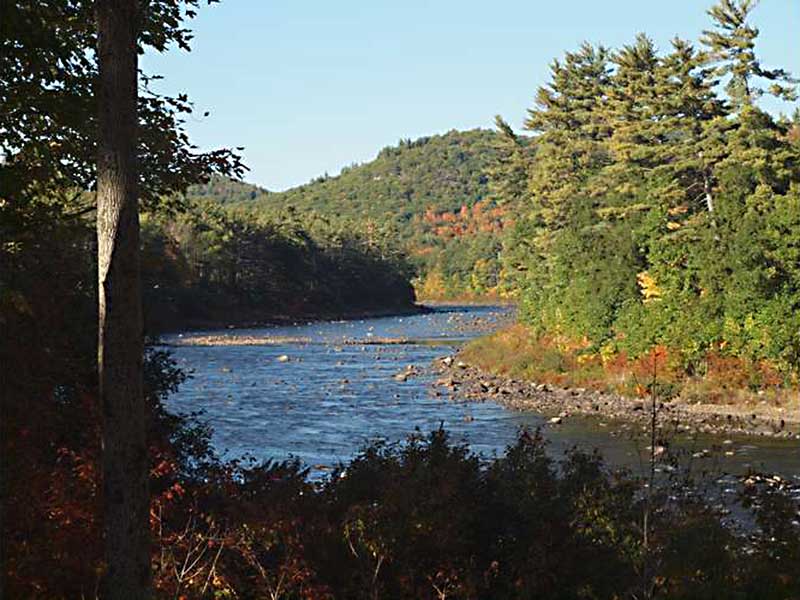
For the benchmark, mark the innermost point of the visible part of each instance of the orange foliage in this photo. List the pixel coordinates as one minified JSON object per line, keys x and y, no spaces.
{"x":653,"y":365}
{"x":53,"y":495}
{"x":726,"y":372}
{"x":730,"y":373}
{"x":563,"y":361}
{"x":466,"y":221}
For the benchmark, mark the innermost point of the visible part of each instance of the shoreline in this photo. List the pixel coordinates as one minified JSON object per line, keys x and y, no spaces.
{"x":488,"y":301}
{"x":209,"y":325}
{"x":253,"y":321}
{"x":469,"y":383}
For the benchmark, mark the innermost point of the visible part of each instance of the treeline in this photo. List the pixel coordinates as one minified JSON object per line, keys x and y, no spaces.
{"x":209,"y":265}
{"x":434,"y":191}
{"x":225,"y":190}
{"x":463,"y":267}
{"x":659,"y":204}
{"x":442,"y":172}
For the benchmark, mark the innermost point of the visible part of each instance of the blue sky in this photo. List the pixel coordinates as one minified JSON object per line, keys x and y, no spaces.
{"x":309,"y":86}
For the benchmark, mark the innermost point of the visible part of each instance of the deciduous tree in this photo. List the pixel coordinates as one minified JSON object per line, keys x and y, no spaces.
{"x":125,"y":472}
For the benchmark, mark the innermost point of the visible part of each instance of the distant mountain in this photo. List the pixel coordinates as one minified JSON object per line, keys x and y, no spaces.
{"x":227,"y":191}
{"x":440,"y":172}
{"x":433,"y":191}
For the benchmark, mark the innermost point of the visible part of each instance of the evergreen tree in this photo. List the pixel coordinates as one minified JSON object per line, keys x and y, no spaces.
{"x":657,"y":210}
{"x":569,"y":129}
{"x":731,"y":44}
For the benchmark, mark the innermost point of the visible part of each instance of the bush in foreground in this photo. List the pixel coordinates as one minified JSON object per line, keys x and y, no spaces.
{"x":428,"y":519}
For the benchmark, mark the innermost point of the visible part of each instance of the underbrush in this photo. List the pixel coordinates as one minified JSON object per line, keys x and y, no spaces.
{"x":717,"y":378}
{"x":424,"y":519}
{"x":427,"y":519}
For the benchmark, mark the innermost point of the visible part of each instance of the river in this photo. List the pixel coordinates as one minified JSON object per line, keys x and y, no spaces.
{"x":322,"y":391}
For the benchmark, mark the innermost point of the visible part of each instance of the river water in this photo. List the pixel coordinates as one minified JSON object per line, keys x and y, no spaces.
{"x":322,"y":391}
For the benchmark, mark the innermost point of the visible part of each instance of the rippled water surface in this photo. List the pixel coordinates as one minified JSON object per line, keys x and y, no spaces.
{"x":329,"y":388}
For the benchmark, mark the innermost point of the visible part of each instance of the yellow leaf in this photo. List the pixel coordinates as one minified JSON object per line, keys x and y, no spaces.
{"x":648,"y":286}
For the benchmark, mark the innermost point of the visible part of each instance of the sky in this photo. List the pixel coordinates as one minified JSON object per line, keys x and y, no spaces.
{"x":310,"y":86}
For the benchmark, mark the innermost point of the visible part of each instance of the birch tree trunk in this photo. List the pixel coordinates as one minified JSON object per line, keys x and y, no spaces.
{"x":707,"y":192}
{"x":120,"y":344}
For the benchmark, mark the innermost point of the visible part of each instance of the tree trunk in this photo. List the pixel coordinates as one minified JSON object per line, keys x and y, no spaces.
{"x":707,"y":191}
{"x":120,"y":343}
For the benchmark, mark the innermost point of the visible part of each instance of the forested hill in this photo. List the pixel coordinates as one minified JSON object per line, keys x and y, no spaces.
{"x":440,"y":172}
{"x":433,"y":193}
{"x":226,"y":191}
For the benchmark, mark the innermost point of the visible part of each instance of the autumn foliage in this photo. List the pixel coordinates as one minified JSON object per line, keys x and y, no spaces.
{"x":718,"y":377}
{"x":465,"y":221}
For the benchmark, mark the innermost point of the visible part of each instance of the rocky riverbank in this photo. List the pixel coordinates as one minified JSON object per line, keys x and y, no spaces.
{"x":468,"y":383}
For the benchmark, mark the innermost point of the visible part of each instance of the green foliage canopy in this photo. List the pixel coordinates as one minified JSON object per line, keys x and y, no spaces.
{"x":657,"y":209}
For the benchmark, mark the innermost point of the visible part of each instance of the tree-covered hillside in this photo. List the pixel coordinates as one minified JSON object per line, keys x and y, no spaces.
{"x":226,"y":191}
{"x":433,"y":192}
{"x":440,"y":172}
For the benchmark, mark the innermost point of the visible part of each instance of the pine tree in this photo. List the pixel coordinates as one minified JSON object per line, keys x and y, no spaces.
{"x":731,"y":44}
{"x":669,"y":128}
{"x":658,"y":208}
{"x":508,"y":176}
{"x":570,"y":131}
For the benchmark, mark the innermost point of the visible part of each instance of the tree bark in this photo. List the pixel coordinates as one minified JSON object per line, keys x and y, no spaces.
{"x":120,"y":343}
{"x":707,"y":192}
